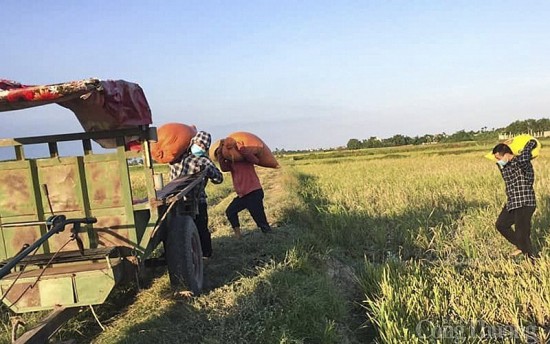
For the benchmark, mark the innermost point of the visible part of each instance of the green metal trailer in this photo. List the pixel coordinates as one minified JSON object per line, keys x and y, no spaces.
{"x":71,"y":228}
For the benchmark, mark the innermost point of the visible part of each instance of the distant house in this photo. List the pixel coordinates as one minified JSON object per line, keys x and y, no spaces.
{"x":537,"y":134}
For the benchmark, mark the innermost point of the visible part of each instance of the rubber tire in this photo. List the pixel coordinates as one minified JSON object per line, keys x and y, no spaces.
{"x":184,"y":254}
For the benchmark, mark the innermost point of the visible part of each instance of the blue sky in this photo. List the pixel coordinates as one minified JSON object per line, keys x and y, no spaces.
{"x":299,"y":74}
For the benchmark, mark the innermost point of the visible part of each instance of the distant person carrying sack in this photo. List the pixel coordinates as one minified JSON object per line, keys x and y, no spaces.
{"x":519,"y":176}
{"x":249,"y":191}
{"x":194,"y":161}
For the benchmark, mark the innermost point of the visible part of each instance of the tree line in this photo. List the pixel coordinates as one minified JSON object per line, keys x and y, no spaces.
{"x":484,"y":134}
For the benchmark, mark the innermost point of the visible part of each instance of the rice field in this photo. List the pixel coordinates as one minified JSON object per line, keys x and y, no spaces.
{"x":434,"y":267}
{"x":393,"y":245}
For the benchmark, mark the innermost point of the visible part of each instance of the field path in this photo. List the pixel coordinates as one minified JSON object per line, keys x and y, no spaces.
{"x":259,"y":289}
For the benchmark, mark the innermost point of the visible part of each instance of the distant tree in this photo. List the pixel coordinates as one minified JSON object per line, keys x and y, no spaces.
{"x":372,"y":142}
{"x":427,"y":138}
{"x":439,"y":137}
{"x":399,"y":140}
{"x":461,"y":135}
{"x":418,"y":140}
{"x":354,"y":144}
{"x":543,"y":124}
{"x":484,"y":134}
{"x":528,"y":125}
{"x":531,"y":125}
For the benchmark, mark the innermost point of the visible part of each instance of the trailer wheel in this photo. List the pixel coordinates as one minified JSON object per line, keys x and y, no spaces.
{"x":184,"y":254}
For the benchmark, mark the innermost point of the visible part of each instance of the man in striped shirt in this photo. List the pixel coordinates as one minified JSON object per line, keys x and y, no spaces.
{"x":519,"y":176}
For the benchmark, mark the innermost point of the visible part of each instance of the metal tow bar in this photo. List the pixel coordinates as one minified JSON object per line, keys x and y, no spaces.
{"x":55,"y":224}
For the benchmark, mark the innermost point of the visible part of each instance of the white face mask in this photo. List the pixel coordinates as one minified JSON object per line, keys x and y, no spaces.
{"x":502,"y":163}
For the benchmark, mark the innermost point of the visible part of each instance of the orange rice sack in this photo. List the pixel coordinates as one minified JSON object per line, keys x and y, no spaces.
{"x":231,"y":146}
{"x":229,"y":150}
{"x":237,"y":140}
{"x":173,"y":141}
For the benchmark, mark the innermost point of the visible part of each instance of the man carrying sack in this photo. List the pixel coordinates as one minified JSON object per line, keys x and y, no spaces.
{"x":519,"y":176}
{"x":249,"y":191}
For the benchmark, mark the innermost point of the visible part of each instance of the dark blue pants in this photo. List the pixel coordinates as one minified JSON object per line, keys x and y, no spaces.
{"x":201,"y":221}
{"x":254,"y":203}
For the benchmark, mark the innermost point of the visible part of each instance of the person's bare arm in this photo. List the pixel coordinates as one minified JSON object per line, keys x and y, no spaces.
{"x":248,"y":156}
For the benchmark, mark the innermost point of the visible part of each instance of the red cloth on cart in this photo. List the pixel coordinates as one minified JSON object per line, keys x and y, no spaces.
{"x":98,"y":105}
